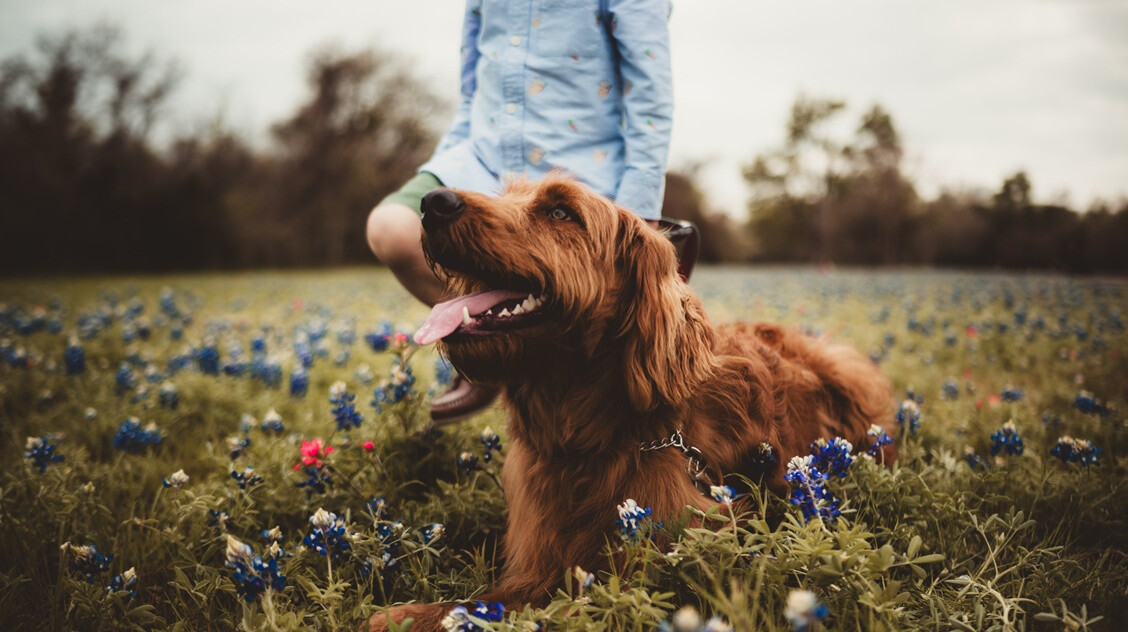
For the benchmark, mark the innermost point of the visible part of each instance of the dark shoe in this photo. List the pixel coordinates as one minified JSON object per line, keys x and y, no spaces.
{"x":686,"y":240}
{"x":463,"y":399}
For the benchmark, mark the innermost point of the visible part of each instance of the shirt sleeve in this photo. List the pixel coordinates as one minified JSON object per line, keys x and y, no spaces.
{"x":471,"y":24}
{"x":641,"y":33}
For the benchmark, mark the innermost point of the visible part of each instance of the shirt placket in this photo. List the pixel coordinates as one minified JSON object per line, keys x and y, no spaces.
{"x":513,"y":86}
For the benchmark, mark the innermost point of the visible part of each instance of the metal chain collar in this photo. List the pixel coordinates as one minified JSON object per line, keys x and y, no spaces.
{"x":695,"y":464}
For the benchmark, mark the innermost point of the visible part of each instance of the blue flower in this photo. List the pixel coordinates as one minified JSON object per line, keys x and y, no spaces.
{"x":810,"y":493}
{"x":272,"y":422}
{"x":329,"y":535}
{"x":908,"y":415}
{"x":879,"y":438}
{"x":951,"y":389}
{"x":177,"y":479}
{"x":722,"y":494}
{"x":237,"y":445}
{"x":246,"y":478}
{"x":462,"y":619}
{"x":87,"y":560}
{"x":254,"y":574}
{"x":1011,"y":394}
{"x":299,"y":382}
{"x":491,"y":441}
{"x":432,"y":532}
{"x":803,"y":610}
{"x":974,"y":461}
{"x":832,"y":457}
{"x":1006,"y":440}
{"x":631,"y":518}
{"x":74,"y":357}
{"x":124,"y":582}
{"x":131,"y":437}
{"x":218,"y":518}
{"x":316,"y":479}
{"x":468,"y":462}
{"x":207,"y":358}
{"x":41,"y":453}
{"x":378,"y":339}
{"x":1071,"y":450}
{"x":912,"y":395}
{"x":124,"y":378}
{"x":1090,"y":405}
{"x":344,"y":412}
{"x":168,"y":396}
{"x":395,"y":388}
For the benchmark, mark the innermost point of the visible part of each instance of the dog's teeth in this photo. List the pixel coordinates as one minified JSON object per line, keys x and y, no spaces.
{"x":466,"y":320}
{"x":518,"y":310}
{"x":504,"y":313}
{"x":489,"y":312}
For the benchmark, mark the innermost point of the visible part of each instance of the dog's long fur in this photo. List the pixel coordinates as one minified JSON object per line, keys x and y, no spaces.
{"x":625,"y":356}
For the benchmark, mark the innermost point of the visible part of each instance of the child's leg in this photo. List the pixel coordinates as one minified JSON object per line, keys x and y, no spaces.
{"x":394,"y":232}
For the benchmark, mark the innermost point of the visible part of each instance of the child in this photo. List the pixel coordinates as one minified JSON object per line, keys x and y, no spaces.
{"x":581,"y":85}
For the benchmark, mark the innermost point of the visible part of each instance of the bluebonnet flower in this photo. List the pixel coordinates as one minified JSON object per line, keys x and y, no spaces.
{"x":810,"y":493}
{"x":912,"y":395}
{"x":303,"y":351}
{"x":272,"y":535}
{"x":272,"y":422}
{"x":235,"y":366}
{"x":152,"y":375}
{"x":462,"y":619}
{"x":131,"y":437}
{"x":378,"y":339}
{"x":765,"y":455}
{"x":329,"y":535}
{"x":344,"y":412}
{"x":342,"y":358}
{"x":1090,"y":405}
{"x":721,"y":493}
{"x":168,"y":303}
{"x":299,"y":382}
{"x":1071,"y":450}
{"x":363,"y":374}
{"x":218,"y":518}
{"x":951,"y":389}
{"x":1006,"y":440}
{"x":207,"y":358}
{"x":258,"y":345}
{"x":87,"y":560}
{"x":444,"y":371}
{"x":179,"y":361}
{"x":246,"y":422}
{"x":375,"y":506}
{"x":124,"y":378}
{"x":1050,"y":419}
{"x":631,"y":518}
{"x":395,"y":388}
{"x":832,"y":457}
{"x":253,"y":574}
{"x":74,"y":357}
{"x":168,"y":396}
{"x":90,"y":414}
{"x":124,"y":582}
{"x":491,"y":441}
{"x":346,"y":334}
{"x":974,"y":461}
{"x":908,"y":416}
{"x":237,"y":445}
{"x":803,"y":610}
{"x":41,"y":453}
{"x":468,"y":462}
{"x":1011,"y":393}
{"x":878,"y":438}
{"x":176,"y":480}
{"x":246,"y":478}
{"x":432,"y":532}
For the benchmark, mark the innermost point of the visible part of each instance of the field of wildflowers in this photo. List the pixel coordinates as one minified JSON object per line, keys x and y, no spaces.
{"x":249,"y":452}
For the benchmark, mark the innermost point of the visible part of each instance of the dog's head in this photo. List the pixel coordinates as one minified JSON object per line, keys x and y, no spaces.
{"x":552,"y":270}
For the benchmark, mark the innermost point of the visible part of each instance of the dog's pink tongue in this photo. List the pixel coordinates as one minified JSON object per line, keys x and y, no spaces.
{"x":446,"y":317}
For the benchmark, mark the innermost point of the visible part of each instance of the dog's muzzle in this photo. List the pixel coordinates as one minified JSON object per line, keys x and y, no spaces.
{"x":440,"y":207}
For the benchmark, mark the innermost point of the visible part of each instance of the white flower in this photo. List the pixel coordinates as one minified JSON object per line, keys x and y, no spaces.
{"x":322,"y":519}
{"x":721,"y":493}
{"x":33,"y":443}
{"x":686,"y":619}
{"x":274,"y":534}
{"x":337,"y":390}
{"x":802,"y":609}
{"x":717,"y":624}
{"x":800,"y":463}
{"x":177,"y":479}
{"x":488,"y":434}
{"x":875,"y":430}
{"x":90,"y":414}
{"x":238,"y":552}
{"x":271,"y":416}
{"x":129,"y":576}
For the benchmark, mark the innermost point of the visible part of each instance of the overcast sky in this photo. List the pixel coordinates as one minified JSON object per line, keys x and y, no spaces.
{"x":979,"y":89}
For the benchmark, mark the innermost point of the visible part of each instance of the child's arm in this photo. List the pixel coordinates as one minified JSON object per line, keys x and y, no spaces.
{"x":642,"y":36}
{"x":460,"y":130}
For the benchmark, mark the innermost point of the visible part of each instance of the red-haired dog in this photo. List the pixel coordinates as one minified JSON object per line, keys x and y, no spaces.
{"x":574,"y":307}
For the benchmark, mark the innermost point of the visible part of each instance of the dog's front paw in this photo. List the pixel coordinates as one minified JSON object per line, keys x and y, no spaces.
{"x":424,"y":617}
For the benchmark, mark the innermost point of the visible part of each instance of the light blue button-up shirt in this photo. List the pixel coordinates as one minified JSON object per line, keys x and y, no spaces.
{"x":579,"y":85}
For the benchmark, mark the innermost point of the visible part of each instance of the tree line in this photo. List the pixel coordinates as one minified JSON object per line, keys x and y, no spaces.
{"x":87,"y":187}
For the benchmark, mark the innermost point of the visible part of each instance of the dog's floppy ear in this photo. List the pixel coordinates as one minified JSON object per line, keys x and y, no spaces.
{"x":667,"y":343}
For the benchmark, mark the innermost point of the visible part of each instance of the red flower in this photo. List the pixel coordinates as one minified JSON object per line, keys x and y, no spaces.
{"x":972,"y":331}
{"x":312,"y":451}
{"x":369,"y":446}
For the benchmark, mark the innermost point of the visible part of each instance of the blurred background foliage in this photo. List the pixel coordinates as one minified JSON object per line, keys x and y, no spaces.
{"x":89,"y":186}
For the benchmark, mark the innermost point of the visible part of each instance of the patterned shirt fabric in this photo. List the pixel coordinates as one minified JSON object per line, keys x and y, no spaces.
{"x":578,"y":85}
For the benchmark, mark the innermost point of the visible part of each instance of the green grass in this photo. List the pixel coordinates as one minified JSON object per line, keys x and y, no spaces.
{"x":1029,"y":543}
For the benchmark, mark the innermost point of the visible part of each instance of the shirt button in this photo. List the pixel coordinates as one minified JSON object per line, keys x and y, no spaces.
{"x":511,"y":108}
{"x":515,"y":40}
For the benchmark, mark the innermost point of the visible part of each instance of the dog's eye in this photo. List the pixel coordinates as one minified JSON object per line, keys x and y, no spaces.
{"x":561,"y":214}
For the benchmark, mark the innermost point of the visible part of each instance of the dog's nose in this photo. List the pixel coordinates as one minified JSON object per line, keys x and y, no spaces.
{"x":440,"y":207}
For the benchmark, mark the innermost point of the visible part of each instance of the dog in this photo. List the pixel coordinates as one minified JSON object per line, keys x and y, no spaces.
{"x":605,"y":356}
